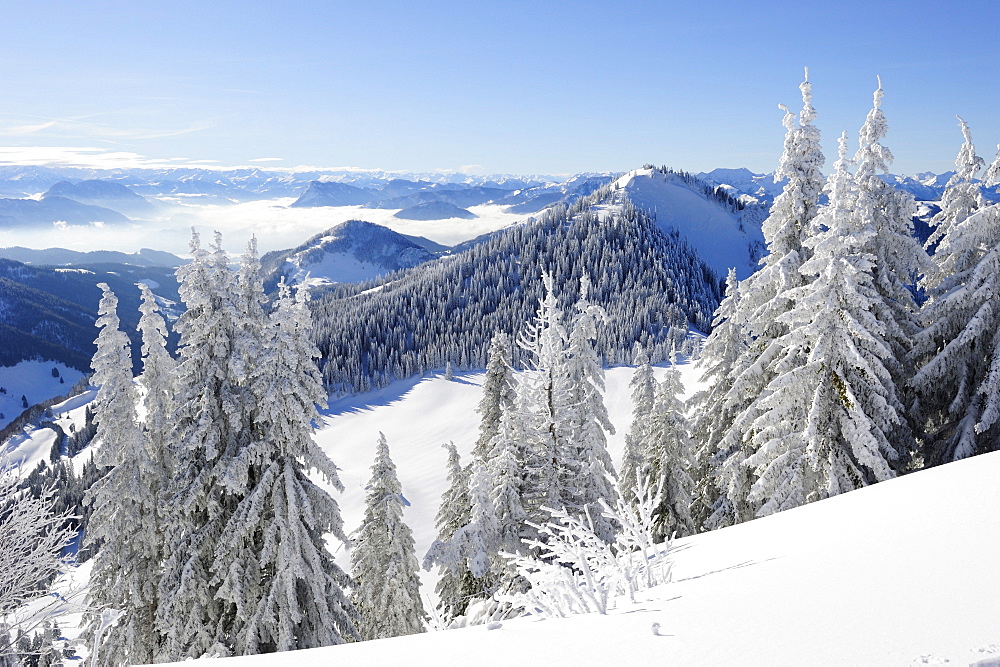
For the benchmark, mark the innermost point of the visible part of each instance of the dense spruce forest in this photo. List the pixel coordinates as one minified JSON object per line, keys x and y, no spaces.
{"x":652,"y":285}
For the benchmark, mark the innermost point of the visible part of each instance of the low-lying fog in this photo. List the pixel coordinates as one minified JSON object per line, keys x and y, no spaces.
{"x":275,"y":225}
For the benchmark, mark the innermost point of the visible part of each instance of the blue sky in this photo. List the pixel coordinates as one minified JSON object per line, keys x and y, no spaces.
{"x":492,"y":87}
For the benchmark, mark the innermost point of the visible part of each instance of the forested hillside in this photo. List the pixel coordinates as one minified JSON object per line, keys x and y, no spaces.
{"x":652,"y":284}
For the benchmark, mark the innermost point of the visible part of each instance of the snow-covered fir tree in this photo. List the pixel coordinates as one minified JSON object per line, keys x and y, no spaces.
{"x":720,"y":353}
{"x":212,"y":422}
{"x":456,"y":586}
{"x":992,"y":177}
{"x":589,"y":473}
{"x":825,"y":419}
{"x":898,"y":257}
{"x":125,"y":520}
{"x":271,"y":565}
{"x":959,"y":383}
{"x":764,"y":298}
{"x":960,"y":199}
{"x":505,"y":465}
{"x":640,"y":435}
{"x":499,"y":393}
{"x":383,"y":562}
{"x":668,"y":460}
{"x":157,"y":379}
{"x":542,"y":397}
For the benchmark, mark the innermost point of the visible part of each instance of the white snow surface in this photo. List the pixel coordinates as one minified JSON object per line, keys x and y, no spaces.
{"x":896,"y":574}
{"x":900,"y":573}
{"x":713,"y":231}
{"x":33,"y":380}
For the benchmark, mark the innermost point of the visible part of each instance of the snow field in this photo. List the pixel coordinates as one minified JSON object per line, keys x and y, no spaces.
{"x":418,"y":416}
{"x":711,"y":230}
{"x":899,"y":573}
{"x":34,"y":381}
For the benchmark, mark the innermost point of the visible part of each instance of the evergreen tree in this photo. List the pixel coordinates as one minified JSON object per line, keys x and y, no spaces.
{"x":542,"y":397}
{"x":588,"y":469}
{"x":209,"y":427}
{"x":827,"y":414}
{"x":959,"y":384}
{"x":960,"y":199}
{"x":992,"y":177}
{"x":271,"y":565}
{"x":764,"y":298}
{"x":712,"y":413}
{"x":125,"y":521}
{"x":157,"y":378}
{"x":506,"y":473}
{"x":639,"y":437}
{"x":383,"y":561}
{"x":456,"y":586}
{"x":898,"y":257}
{"x":668,"y":460}
{"x":499,"y":393}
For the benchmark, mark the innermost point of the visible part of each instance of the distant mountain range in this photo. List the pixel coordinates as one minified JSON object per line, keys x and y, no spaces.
{"x":925,"y":186}
{"x":64,"y":257}
{"x":424,"y":200}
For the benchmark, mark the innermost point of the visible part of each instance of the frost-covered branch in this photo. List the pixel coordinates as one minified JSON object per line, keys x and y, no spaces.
{"x":576,"y":572}
{"x":32,"y":539}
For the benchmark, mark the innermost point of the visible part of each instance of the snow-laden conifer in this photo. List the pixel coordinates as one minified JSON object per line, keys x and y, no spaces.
{"x":825,"y":419}
{"x":499,"y":393}
{"x":992,"y":177}
{"x":156,"y":379}
{"x":960,"y":199}
{"x":764,"y":298}
{"x":271,"y":565}
{"x":505,"y":464}
{"x":640,"y":435}
{"x":383,"y":562}
{"x":898,"y":257}
{"x":210,"y":420}
{"x":668,"y":459}
{"x":125,"y":524}
{"x":959,"y":385}
{"x":722,"y":350}
{"x":588,"y":469}
{"x":456,"y":586}
{"x":541,"y":401}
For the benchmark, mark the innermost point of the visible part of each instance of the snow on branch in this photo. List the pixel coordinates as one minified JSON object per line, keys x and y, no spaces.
{"x":32,"y":539}
{"x":576,"y":572}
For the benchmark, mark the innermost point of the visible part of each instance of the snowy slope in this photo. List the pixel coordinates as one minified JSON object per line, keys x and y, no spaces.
{"x":897,"y":574}
{"x":33,"y":380}
{"x":714,"y":231}
{"x":351,"y":252}
{"x":900,"y":573}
